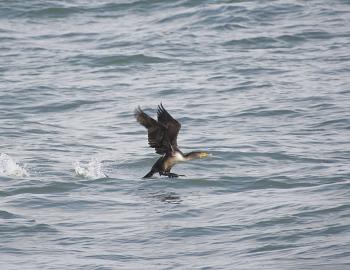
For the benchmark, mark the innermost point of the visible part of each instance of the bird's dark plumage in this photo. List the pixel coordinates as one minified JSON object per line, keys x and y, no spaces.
{"x":156,"y":131}
{"x":172,"y":126}
{"x":162,"y":136}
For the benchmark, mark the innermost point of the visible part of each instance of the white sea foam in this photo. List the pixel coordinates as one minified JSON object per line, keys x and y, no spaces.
{"x":93,"y":169}
{"x":8,"y":167}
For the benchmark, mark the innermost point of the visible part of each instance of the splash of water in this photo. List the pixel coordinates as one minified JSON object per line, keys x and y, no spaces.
{"x":92,"y":170}
{"x":8,"y":167}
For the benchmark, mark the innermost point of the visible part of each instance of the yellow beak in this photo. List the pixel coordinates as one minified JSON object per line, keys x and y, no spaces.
{"x":203,"y":155}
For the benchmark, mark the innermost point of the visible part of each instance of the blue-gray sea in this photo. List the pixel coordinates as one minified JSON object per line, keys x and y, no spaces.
{"x":263,"y":86}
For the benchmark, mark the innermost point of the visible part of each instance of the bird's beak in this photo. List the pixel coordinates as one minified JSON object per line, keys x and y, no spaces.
{"x":203,"y":154}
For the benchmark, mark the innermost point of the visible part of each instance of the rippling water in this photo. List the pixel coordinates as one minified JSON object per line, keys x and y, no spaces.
{"x":262,"y":85}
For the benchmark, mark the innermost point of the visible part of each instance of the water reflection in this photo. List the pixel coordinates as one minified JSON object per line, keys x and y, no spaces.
{"x":168,"y":197}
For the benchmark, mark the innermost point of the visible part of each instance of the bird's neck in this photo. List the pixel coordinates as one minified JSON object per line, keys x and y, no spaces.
{"x":178,"y":155}
{"x":192,"y":155}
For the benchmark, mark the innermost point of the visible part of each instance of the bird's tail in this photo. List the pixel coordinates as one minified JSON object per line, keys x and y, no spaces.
{"x":150,"y":174}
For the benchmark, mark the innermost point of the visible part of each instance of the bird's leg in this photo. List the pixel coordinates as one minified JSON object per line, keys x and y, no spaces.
{"x":171,"y":175}
{"x":167,"y":174}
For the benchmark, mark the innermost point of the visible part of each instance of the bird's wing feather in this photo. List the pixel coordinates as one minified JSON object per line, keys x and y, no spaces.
{"x":156,"y":132}
{"x":172,"y":126}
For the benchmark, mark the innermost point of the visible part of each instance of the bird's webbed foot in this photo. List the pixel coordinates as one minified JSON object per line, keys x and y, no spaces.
{"x":171,"y":175}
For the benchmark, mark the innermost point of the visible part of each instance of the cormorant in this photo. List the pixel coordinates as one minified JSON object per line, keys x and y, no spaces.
{"x":162,"y":135}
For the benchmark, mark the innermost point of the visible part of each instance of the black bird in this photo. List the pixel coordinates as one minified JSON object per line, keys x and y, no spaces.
{"x":162,"y":135}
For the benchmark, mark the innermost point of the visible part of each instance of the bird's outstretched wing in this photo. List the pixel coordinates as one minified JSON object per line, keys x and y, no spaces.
{"x":171,"y":125}
{"x":156,"y":132}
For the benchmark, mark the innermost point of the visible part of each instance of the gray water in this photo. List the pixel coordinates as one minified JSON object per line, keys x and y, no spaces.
{"x":263,"y":86}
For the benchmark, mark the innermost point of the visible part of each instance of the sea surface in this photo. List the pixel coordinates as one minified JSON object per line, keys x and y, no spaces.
{"x":263,"y":86}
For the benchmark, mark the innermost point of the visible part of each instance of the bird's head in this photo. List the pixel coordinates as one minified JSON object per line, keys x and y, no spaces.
{"x":203,"y":154}
{"x":196,"y":155}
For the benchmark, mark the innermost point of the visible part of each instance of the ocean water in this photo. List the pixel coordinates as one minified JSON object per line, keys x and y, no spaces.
{"x":264,"y":86}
